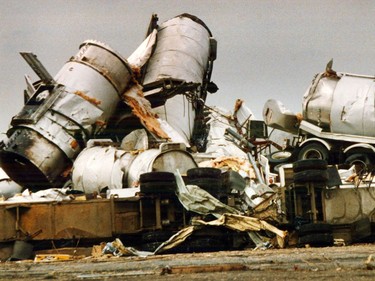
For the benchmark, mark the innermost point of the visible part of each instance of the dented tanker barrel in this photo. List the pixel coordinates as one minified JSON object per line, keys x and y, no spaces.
{"x":100,"y":167}
{"x":178,"y":70}
{"x":55,"y":123}
{"x":342,"y":103}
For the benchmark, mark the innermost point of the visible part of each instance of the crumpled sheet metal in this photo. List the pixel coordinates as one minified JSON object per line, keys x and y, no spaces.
{"x":232,"y":221}
{"x":237,"y":164}
{"x":195,"y":199}
{"x":172,"y":242}
{"x":200,"y":201}
{"x":46,"y":195}
{"x":141,"y":108}
{"x":217,"y":144}
{"x":142,"y":54}
{"x":242,"y":114}
{"x":245,"y":223}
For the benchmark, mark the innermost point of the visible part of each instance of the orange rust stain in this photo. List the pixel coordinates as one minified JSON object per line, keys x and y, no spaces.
{"x":74,"y":144}
{"x":136,"y":71}
{"x":66,"y":172}
{"x":142,"y":109}
{"x":237,"y":105}
{"x":86,"y":97}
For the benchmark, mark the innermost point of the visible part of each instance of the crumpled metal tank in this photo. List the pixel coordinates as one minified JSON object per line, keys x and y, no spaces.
{"x":181,"y":63}
{"x":100,"y":167}
{"x":55,"y":123}
{"x":341,"y":103}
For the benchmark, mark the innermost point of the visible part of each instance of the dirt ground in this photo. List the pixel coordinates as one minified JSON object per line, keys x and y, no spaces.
{"x":356,"y":262}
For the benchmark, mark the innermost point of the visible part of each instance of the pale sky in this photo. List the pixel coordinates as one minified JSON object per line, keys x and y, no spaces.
{"x":266,"y":49}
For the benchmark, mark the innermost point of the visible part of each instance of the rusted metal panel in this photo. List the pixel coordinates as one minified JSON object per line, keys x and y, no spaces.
{"x":7,"y":223}
{"x":99,"y":218}
{"x":86,"y":219}
{"x":126,"y":216}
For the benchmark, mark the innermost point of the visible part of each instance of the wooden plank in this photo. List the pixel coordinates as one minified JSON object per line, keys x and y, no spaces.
{"x":203,"y":268}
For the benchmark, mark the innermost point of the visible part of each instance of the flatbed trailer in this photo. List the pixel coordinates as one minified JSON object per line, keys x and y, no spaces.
{"x":89,"y":219}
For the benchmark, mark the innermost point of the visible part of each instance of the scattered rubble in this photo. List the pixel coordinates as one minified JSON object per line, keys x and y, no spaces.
{"x":126,"y":157}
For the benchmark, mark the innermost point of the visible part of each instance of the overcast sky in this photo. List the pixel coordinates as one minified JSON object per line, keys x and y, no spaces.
{"x":266,"y":49}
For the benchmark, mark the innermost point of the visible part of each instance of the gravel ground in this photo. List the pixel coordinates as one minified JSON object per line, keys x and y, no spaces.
{"x":354,"y":262}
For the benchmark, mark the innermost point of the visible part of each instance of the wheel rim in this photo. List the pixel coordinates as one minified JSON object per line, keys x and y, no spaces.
{"x":313,"y":154}
{"x":281,"y":155}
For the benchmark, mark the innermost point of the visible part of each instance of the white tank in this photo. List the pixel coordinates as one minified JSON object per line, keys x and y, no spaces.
{"x":342,"y":103}
{"x":56,"y":122}
{"x":109,"y":167}
{"x":182,"y":54}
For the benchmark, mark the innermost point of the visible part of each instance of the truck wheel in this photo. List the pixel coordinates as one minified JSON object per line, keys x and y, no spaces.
{"x":156,"y":177}
{"x":279,"y":156}
{"x":309,"y":164}
{"x":211,"y":185}
{"x":311,"y":176}
{"x":204,"y":172}
{"x":158,"y":187}
{"x":360,"y":160}
{"x":313,"y":151}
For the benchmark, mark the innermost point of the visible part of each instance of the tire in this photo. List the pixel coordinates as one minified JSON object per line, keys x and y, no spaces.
{"x":233,"y":180}
{"x":361,"y":161}
{"x":313,"y":151}
{"x":156,"y":177}
{"x":204,"y":173}
{"x":309,"y":164}
{"x":278,"y":157}
{"x":311,"y":228}
{"x":316,"y":240}
{"x":311,"y":176}
{"x":158,"y":187}
{"x":211,"y":185}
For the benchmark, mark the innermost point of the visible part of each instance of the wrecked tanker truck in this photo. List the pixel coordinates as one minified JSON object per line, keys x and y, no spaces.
{"x":94,"y":95}
{"x":132,"y":151}
{"x":337,"y":120}
{"x":124,"y":139}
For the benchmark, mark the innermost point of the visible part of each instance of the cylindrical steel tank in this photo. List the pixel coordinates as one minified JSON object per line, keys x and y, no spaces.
{"x":343,"y":103}
{"x":182,"y":53}
{"x":109,"y":167}
{"x":52,"y":128}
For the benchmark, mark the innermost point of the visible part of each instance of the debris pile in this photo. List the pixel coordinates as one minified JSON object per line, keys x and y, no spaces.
{"x":128,"y":151}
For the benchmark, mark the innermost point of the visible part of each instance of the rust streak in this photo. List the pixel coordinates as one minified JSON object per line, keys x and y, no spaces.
{"x":86,"y":97}
{"x":142,"y":109}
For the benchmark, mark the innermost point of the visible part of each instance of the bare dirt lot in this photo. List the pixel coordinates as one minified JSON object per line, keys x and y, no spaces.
{"x":355,"y":262}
